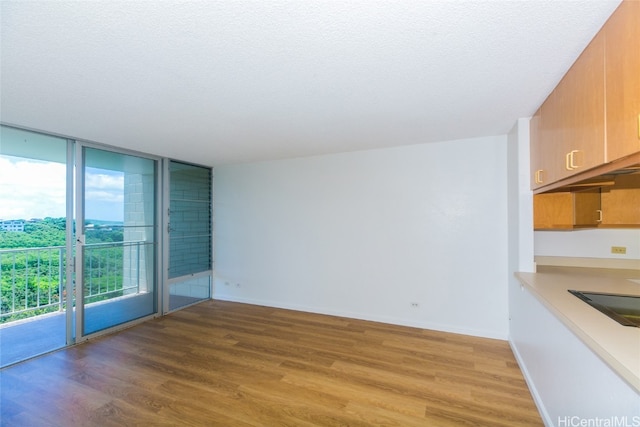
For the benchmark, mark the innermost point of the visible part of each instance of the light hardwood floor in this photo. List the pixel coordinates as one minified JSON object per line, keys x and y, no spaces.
{"x":230,"y":364}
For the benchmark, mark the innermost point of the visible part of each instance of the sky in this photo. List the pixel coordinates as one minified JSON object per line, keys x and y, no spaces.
{"x":36,"y":189}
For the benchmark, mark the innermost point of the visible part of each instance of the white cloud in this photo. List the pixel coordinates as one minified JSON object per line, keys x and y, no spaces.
{"x":103,"y":181}
{"x":31,"y":189}
{"x":37,"y":189}
{"x":104,"y":196}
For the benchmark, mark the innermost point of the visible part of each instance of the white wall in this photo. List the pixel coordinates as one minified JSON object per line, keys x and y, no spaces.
{"x":588,"y":243}
{"x":520,"y":200}
{"x":365,"y":234}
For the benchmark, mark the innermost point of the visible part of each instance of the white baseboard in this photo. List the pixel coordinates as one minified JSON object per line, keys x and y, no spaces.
{"x":369,"y":317}
{"x":532,"y":387}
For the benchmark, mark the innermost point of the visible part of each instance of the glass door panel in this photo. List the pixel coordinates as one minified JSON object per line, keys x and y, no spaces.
{"x":190,"y":234}
{"x":35,"y":242}
{"x":119,"y":239}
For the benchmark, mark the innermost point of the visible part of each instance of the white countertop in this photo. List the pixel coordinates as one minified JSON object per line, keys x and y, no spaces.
{"x":617,"y":345}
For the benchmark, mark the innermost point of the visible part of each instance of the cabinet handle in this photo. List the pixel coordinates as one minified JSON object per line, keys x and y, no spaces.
{"x":567,"y":161}
{"x":538,"y":176}
{"x":599,"y":215}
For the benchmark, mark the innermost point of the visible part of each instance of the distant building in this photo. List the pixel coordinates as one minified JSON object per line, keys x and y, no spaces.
{"x":12,"y":225}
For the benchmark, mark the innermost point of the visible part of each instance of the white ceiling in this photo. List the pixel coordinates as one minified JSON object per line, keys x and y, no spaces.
{"x":217,"y":82}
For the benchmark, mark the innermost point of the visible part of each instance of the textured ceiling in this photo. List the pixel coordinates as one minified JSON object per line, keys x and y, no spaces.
{"x":217,"y":82}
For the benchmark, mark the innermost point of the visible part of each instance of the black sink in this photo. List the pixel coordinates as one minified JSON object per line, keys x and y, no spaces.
{"x":624,"y":309}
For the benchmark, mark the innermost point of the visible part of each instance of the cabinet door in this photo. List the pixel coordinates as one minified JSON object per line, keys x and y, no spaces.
{"x":546,"y":149}
{"x":552,"y":211}
{"x":552,"y":135}
{"x":621,"y":203}
{"x":622,"y":61}
{"x":580,"y":98}
{"x":567,"y":132}
{"x":539,"y":171}
{"x":587,"y":207}
{"x":566,"y":210}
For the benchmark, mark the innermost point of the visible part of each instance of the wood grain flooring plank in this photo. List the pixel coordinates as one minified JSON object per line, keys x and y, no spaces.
{"x":370,"y":393}
{"x":376,"y":416}
{"x":144,"y":399}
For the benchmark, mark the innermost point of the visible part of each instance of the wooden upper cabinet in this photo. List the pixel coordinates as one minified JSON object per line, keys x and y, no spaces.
{"x":539,"y":173}
{"x":567,"y":132}
{"x":609,"y":206}
{"x":580,"y":99}
{"x":545,"y":132}
{"x":553,"y":135}
{"x":622,"y":62}
{"x":567,"y":210}
{"x":592,"y":118}
{"x":621,"y":203}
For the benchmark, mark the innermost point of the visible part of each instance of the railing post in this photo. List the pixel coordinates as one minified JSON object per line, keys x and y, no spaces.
{"x":26,"y":279}
{"x":61,"y":277}
{"x":138,"y":267}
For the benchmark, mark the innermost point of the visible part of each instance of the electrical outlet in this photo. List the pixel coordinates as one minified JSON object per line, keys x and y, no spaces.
{"x":414,"y":305}
{"x":618,"y":250}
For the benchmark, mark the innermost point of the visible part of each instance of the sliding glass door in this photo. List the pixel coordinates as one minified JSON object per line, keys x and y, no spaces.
{"x":117,"y":239}
{"x":36,"y":253}
{"x":112,"y":241}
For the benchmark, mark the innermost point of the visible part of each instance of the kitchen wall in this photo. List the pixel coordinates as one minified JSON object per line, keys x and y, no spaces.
{"x":588,"y":243}
{"x":414,"y":235}
{"x":520,"y":200}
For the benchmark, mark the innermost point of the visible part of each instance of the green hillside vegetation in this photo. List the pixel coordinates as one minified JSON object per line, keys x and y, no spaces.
{"x":48,"y":232}
{"x":30,"y":278}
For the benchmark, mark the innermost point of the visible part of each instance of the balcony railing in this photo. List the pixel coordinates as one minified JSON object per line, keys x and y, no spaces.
{"x":32,"y":280}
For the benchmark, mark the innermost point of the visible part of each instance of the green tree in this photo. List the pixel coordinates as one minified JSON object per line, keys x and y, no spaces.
{"x":30,"y":278}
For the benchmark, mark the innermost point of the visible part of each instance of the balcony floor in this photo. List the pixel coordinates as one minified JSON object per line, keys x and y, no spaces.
{"x":27,"y":338}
